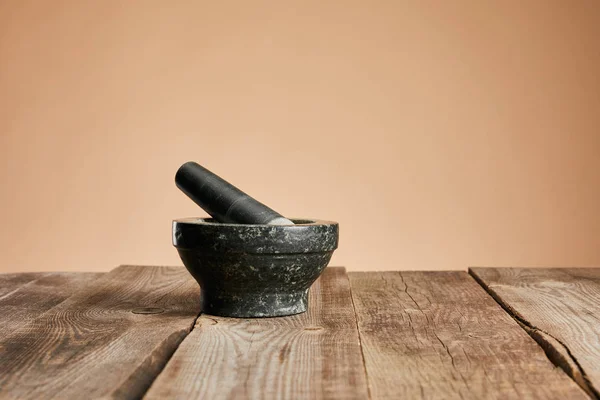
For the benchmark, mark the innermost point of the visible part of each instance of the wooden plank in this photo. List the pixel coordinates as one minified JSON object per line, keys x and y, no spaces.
{"x":106,"y":341}
{"x":439,"y":335}
{"x":561,"y":310}
{"x":307,"y":356}
{"x":10,"y":283}
{"x":27,"y":302}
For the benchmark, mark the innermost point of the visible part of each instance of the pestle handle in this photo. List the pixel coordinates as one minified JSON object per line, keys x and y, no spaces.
{"x":223,"y":201}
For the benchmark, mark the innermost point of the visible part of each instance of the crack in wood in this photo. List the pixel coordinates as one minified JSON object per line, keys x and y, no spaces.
{"x":550,"y":344}
{"x":432,"y":323}
{"x":440,"y":335}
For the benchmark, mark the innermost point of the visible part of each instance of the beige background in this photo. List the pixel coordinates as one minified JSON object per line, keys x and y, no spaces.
{"x":439,"y":134}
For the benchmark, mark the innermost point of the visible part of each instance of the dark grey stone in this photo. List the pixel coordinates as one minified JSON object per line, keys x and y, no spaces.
{"x":254,"y":270}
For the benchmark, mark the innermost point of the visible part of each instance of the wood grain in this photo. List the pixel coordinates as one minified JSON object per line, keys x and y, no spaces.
{"x":307,"y":356}
{"x":92,"y":345}
{"x":439,"y":335}
{"x":29,"y":300}
{"x":10,"y":283}
{"x":561,"y":310}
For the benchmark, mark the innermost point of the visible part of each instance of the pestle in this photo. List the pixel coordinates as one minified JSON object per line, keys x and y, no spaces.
{"x":223,"y":201}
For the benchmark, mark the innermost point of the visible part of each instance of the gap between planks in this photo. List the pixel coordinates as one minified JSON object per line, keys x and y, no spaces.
{"x":556,"y":351}
{"x":360,"y":344}
{"x":76,"y":348}
{"x":315,"y":354}
{"x":547,"y":341}
{"x":440,"y":335}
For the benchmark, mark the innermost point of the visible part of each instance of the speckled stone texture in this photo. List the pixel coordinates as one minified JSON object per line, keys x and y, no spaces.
{"x":254,"y":270}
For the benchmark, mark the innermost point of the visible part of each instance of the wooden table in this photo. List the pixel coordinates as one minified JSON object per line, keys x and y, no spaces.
{"x":136,"y":332}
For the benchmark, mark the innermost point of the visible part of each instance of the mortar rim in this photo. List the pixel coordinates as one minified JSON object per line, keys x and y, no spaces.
{"x":197,"y":234}
{"x":200,"y":221}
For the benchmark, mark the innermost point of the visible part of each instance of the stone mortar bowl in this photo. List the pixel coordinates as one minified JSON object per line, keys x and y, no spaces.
{"x":254,"y":270}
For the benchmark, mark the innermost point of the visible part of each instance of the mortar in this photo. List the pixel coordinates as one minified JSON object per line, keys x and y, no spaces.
{"x":255,"y":270}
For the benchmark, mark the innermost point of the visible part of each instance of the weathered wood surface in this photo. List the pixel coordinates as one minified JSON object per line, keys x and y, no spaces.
{"x":312,"y":355}
{"x":92,"y":345}
{"x":10,"y":283}
{"x":439,"y":335}
{"x":424,"y":335}
{"x":30,"y":299}
{"x":561,"y":310}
